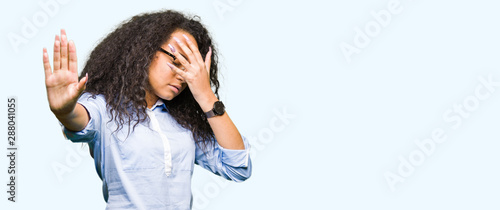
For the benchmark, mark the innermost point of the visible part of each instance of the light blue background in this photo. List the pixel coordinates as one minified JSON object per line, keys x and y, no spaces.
{"x":352,"y":120}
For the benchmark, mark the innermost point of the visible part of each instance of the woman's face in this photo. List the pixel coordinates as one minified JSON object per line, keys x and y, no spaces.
{"x":165,"y":83}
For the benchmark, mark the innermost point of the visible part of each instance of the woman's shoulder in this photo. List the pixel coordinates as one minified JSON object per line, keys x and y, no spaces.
{"x":96,"y":99}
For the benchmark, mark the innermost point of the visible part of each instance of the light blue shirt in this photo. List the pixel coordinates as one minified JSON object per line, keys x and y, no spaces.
{"x":151,"y":168}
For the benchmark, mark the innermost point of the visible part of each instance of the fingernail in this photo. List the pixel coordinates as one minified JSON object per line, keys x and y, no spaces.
{"x":209,"y":49}
{"x":87,"y":76}
{"x":171,"y":66}
{"x":171,"y":48}
{"x":184,"y":35}
{"x":177,"y":40}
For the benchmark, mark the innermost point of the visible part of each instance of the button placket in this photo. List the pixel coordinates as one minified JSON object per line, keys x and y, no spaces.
{"x":166,"y":144}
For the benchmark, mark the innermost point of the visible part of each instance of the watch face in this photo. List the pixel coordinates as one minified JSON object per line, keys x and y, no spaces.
{"x":219,"y":108}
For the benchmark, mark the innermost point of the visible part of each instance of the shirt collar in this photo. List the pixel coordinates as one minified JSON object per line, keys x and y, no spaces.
{"x":159,"y":104}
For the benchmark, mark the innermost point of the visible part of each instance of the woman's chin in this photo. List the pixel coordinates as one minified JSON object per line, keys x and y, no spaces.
{"x":168,"y":97}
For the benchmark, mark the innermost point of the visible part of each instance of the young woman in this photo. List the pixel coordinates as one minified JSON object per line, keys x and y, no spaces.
{"x":148,"y":111}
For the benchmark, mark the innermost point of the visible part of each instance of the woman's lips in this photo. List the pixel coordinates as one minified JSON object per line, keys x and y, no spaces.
{"x":174,"y":88}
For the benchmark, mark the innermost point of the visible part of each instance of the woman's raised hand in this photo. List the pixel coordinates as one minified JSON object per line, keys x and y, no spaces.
{"x":63,"y":87}
{"x":196,"y":73}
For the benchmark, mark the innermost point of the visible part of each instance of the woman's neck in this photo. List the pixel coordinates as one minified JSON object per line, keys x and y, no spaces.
{"x":151,"y":99}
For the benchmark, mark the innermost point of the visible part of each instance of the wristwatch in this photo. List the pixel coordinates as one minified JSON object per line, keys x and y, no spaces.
{"x":218,"y":110}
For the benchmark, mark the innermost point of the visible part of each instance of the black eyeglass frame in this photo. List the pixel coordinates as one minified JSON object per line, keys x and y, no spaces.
{"x":166,"y":52}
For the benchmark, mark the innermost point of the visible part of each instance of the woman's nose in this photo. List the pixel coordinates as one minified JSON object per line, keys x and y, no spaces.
{"x":178,"y":76}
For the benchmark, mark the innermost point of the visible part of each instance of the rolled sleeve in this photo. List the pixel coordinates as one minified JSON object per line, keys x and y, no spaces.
{"x":94,"y":106}
{"x":235,"y":158}
{"x":231,"y":164}
{"x":85,"y":135}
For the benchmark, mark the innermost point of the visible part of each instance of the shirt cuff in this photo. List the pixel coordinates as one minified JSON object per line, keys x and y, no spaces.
{"x":236,"y":158}
{"x":85,"y":135}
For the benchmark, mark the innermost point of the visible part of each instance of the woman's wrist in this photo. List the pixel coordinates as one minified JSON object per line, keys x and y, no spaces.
{"x":66,"y":113}
{"x":207,"y":101}
{"x":76,"y":120}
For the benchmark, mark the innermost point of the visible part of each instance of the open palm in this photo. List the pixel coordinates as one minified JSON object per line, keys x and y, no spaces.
{"x":63,"y":87}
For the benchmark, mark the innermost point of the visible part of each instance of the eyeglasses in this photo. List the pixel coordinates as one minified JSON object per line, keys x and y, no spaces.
{"x":166,"y":52}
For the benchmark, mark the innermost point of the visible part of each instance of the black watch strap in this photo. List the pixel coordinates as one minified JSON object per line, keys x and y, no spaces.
{"x":218,"y":110}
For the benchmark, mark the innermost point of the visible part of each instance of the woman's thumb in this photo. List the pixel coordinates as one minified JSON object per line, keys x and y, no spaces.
{"x":83,"y":83}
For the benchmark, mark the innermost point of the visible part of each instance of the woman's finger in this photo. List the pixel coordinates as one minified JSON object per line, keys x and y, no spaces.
{"x":208,"y":60}
{"x":82,"y":84}
{"x":176,"y":70}
{"x":193,"y":49}
{"x":72,"y":57}
{"x":46,"y":63}
{"x":64,"y":50}
{"x":178,"y":55}
{"x":57,"y":54}
{"x":187,"y":51}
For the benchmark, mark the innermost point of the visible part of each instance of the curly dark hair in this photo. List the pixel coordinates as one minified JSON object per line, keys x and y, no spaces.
{"x":118,"y":69}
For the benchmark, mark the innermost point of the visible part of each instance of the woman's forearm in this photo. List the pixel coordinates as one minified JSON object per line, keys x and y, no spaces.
{"x":75,"y":120}
{"x":225,"y":131}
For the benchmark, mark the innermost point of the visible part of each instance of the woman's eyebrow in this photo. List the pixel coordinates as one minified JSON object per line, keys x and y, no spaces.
{"x":185,"y":58}
{"x":169,"y":54}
